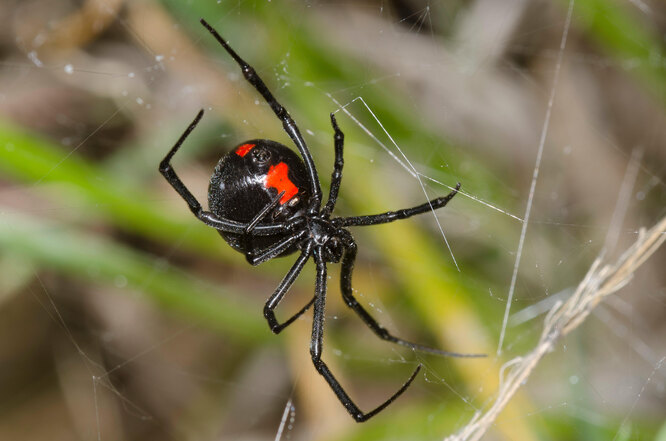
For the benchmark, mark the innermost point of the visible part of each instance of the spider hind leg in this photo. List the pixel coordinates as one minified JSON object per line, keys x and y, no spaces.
{"x":316,"y":347}
{"x":347,"y":295}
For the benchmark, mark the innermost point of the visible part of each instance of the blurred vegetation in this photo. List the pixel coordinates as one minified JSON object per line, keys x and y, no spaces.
{"x":126,"y":318}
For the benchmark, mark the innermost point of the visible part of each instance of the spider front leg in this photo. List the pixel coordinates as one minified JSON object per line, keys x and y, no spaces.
{"x":316,"y":347}
{"x":348,"y":260}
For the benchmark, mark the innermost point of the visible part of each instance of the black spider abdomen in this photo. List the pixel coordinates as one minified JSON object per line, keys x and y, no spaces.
{"x":247,"y":179}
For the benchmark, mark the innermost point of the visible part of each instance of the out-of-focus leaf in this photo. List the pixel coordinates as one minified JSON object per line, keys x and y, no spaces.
{"x":83,"y":255}
{"x":616,"y":26}
{"x":35,"y":161}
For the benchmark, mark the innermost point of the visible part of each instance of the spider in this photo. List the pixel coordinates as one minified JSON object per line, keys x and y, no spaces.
{"x":266,"y":202}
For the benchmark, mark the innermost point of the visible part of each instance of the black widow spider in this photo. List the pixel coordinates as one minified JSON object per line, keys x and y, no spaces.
{"x":266,"y":202}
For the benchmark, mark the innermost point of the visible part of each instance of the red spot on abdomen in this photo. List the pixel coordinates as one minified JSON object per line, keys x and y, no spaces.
{"x":277,"y":177}
{"x":243,"y":149}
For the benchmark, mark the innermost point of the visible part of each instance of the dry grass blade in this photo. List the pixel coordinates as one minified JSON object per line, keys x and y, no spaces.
{"x":601,"y":281}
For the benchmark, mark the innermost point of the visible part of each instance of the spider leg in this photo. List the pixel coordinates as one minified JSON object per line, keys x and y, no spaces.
{"x":316,"y":346}
{"x":275,"y":249}
{"x":247,"y":237}
{"x":391,"y":216}
{"x":263,"y":213}
{"x":287,"y":122}
{"x":336,"y":176}
{"x":346,"y":288}
{"x":281,"y":290}
{"x":206,"y":217}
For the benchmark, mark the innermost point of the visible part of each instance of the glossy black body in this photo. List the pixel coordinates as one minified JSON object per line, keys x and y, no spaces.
{"x":238,"y":191}
{"x":254,"y":219}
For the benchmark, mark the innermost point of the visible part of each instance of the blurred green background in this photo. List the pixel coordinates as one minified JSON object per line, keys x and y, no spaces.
{"x":124,"y":318}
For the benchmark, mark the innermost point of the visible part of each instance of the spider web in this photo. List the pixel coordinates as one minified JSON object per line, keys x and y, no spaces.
{"x":135,"y":322}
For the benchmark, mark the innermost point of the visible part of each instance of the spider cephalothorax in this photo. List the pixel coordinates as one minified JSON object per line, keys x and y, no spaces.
{"x":266,"y":202}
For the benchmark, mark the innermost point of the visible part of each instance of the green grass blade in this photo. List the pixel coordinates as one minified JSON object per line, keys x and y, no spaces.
{"x":73,"y":252}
